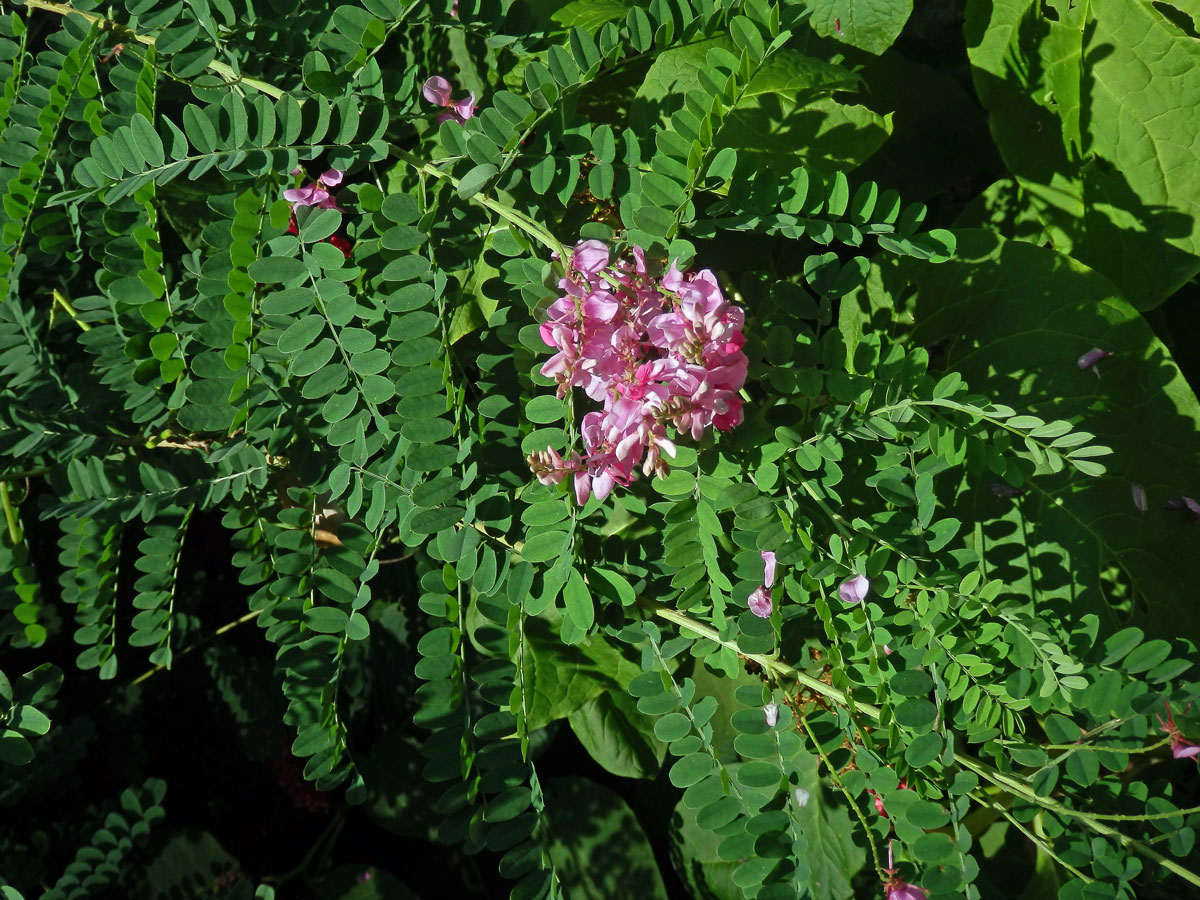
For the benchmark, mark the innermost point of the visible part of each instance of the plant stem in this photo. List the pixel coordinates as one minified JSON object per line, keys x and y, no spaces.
{"x":516,"y":217}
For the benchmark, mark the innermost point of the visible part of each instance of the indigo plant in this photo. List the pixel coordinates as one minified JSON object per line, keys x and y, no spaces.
{"x":596,"y":449}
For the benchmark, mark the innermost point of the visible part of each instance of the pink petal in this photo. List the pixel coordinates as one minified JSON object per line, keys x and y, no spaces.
{"x":437,"y":91}
{"x":1092,"y":357}
{"x":1139,"y":498}
{"x":760,"y":602}
{"x":905,"y":891}
{"x":855,"y":589}
{"x":1183,"y":749}
{"x":331,"y":177}
{"x":590,"y":257}
{"x":771,"y":713}
{"x":466,"y":107}
{"x":768,"y":567}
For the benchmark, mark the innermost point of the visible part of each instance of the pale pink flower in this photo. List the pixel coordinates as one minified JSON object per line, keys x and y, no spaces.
{"x":438,"y":91}
{"x":801,"y":796}
{"x":760,"y":600}
{"x":771,"y":713}
{"x":1092,"y":357}
{"x":1181,"y":747}
{"x":854,"y":590}
{"x":895,"y":889}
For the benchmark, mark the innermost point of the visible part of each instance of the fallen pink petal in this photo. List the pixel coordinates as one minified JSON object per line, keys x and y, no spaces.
{"x":1092,"y":357}
{"x":1139,"y":498}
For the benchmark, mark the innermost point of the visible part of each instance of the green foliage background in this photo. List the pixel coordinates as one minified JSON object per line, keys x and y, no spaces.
{"x":283,"y":611}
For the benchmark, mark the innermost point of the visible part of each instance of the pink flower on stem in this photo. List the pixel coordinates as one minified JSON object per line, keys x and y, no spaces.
{"x":895,"y":889}
{"x":771,"y":714}
{"x":437,"y":90}
{"x":1181,"y":747}
{"x":760,"y":600}
{"x":854,"y":590}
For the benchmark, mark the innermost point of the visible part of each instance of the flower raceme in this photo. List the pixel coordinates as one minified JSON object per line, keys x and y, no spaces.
{"x":656,"y":352}
{"x":437,"y":90}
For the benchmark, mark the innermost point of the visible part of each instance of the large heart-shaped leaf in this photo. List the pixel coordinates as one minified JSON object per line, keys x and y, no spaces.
{"x":1018,"y":317}
{"x":1093,"y":108}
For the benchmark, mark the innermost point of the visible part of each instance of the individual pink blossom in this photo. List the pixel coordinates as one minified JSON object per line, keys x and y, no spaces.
{"x":1139,"y":498}
{"x":1181,"y":747}
{"x":801,"y":796}
{"x":315,"y":193}
{"x":1187,"y":503}
{"x":894,"y":888}
{"x":438,"y":91}
{"x":1093,"y":356}
{"x":760,"y":600}
{"x":771,"y":714}
{"x":902,"y":890}
{"x":854,"y":590}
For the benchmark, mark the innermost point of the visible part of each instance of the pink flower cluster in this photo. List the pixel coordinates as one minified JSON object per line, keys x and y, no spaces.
{"x":437,"y":90}
{"x":656,"y":351}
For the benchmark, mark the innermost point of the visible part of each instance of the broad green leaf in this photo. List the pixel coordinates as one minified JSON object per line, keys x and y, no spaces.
{"x":871,"y":25}
{"x":786,"y":113}
{"x":560,"y":679}
{"x":832,"y":856}
{"x":589,"y":824}
{"x":1113,"y":172}
{"x":618,"y":736}
{"x":590,"y":14}
{"x":1020,"y":316}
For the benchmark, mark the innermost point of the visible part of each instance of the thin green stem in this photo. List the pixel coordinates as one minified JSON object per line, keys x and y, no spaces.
{"x":837,"y":782}
{"x":503,"y":210}
{"x":1000,"y":779}
{"x":983,"y":800}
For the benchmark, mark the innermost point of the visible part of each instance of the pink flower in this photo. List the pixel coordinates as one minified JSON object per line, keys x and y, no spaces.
{"x":854,"y":590}
{"x":760,"y":600}
{"x":315,"y":193}
{"x":895,"y":889}
{"x":771,"y":713}
{"x":437,"y":90}
{"x":902,"y":890}
{"x":1181,"y":747}
{"x":1093,"y":356}
{"x":589,"y":257}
